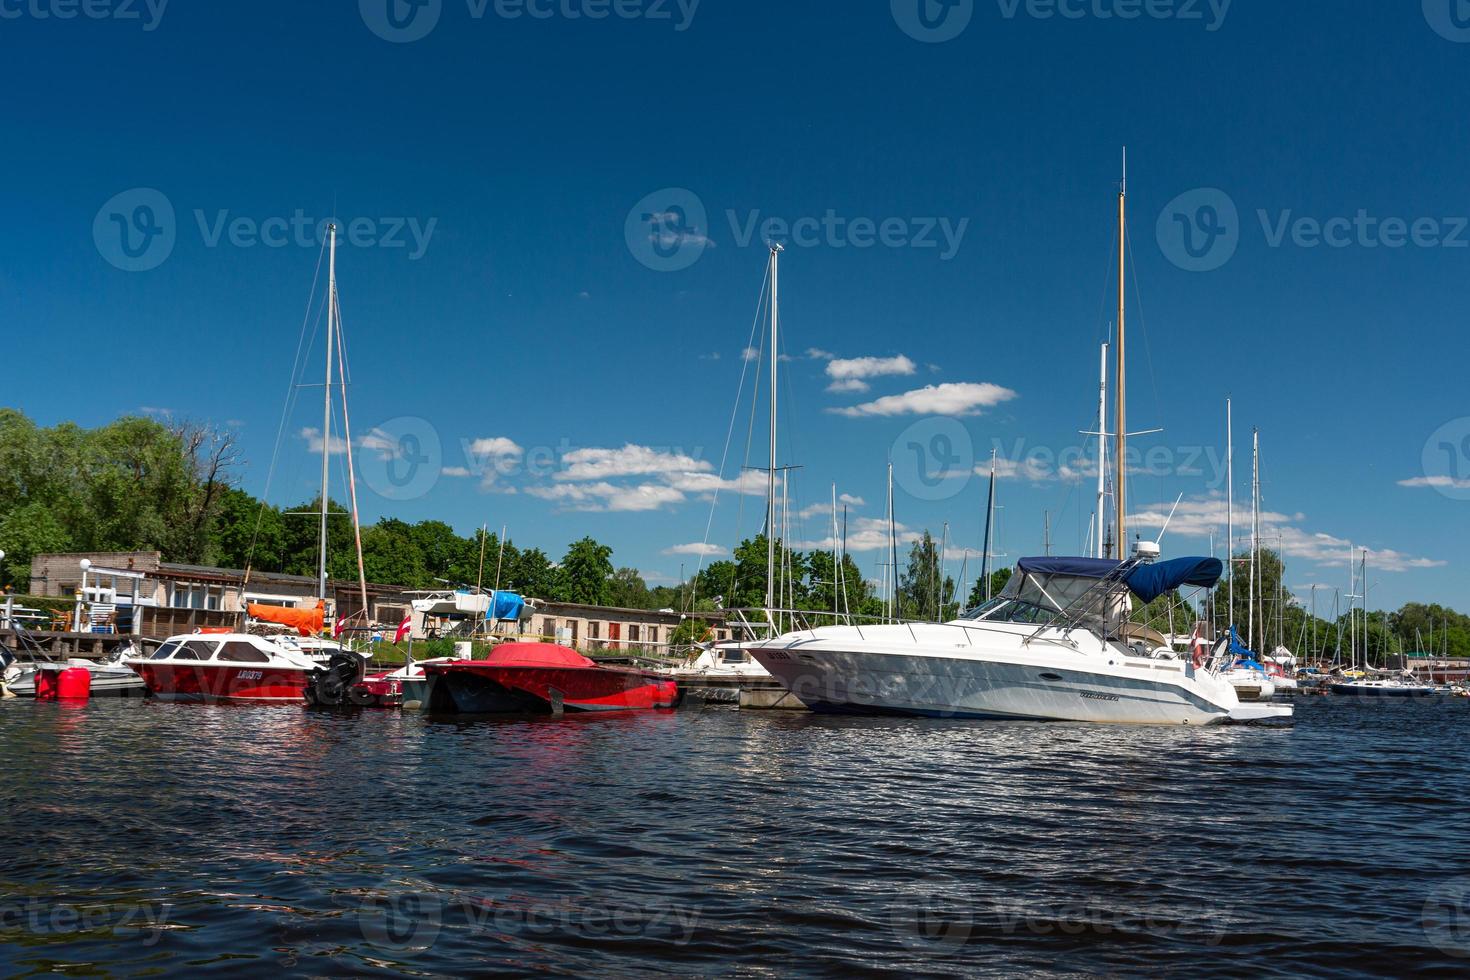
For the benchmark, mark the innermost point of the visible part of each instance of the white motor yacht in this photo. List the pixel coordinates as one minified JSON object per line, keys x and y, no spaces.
{"x":1054,"y":645}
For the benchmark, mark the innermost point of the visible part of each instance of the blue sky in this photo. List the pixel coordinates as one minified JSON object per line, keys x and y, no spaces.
{"x":956,"y":173}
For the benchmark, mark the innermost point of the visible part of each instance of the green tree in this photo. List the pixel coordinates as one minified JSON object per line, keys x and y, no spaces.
{"x":25,"y":532}
{"x":626,"y":589}
{"x":998,"y":579}
{"x":585,"y":573}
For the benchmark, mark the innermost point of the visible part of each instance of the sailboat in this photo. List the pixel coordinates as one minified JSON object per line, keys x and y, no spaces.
{"x":1368,"y":686}
{"x":1055,"y":644}
{"x":226,"y":666}
{"x":1244,"y":670}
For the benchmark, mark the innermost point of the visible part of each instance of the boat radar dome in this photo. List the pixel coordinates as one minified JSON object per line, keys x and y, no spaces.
{"x":1146,"y":550}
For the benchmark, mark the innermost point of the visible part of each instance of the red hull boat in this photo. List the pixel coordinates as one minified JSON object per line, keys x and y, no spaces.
{"x":241,"y":668}
{"x":537,"y":678}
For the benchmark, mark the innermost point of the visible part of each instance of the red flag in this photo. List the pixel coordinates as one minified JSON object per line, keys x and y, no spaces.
{"x":403,"y":628}
{"x":339,"y":626}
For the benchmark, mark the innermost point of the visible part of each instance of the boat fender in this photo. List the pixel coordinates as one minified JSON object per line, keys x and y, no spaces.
{"x":361,"y":696}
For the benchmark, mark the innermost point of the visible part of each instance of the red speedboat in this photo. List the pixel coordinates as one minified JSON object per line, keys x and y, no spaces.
{"x":537,"y":678}
{"x":239,"y":667}
{"x":224,"y":668}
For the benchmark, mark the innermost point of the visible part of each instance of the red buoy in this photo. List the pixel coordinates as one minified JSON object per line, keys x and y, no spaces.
{"x":74,"y":684}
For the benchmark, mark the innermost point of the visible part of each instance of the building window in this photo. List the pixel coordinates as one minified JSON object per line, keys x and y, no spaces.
{"x":548,"y":627}
{"x":633,"y":632}
{"x":191,"y":595}
{"x":653,"y":634}
{"x":594,"y":630}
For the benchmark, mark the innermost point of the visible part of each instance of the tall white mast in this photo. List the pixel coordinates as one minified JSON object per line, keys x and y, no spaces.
{"x":989,"y":527}
{"x":1120,"y":490}
{"x":1255,"y":532}
{"x":892,"y":560}
{"x":327,"y":402}
{"x":1230,"y":512}
{"x":1102,"y":454}
{"x":771,"y":474}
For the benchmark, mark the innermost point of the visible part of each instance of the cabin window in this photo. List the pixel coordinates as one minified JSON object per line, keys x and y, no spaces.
{"x":165,"y":651}
{"x":195,"y":650}
{"x":243,"y":653}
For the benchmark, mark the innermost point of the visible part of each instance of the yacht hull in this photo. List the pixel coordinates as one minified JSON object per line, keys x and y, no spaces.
{"x":953,"y":672}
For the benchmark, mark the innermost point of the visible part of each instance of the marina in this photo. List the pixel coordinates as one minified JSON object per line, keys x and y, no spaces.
{"x":624,"y":488}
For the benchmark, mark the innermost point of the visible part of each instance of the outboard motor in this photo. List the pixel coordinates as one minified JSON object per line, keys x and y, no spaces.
{"x":332,"y":686}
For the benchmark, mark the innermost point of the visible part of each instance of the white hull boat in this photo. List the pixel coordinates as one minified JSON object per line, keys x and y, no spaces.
{"x":1026,"y":655}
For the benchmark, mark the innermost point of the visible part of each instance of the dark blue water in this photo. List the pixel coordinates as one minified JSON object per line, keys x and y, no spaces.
{"x":147,"y":838}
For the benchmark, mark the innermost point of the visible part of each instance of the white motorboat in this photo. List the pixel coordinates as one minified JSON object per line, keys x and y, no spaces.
{"x":1052,"y":646}
{"x":1384,"y":687}
{"x":721,"y":663}
{"x":1250,"y":680}
{"x":451,"y":602}
{"x":110,"y":677}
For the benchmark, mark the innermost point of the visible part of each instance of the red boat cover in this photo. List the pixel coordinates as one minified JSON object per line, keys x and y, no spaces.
{"x":536,"y":655}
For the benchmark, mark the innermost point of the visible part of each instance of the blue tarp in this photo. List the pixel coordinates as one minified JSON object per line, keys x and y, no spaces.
{"x":506,"y":607}
{"x":1148,"y":582}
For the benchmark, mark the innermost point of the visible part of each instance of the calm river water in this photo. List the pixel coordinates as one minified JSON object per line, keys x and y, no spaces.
{"x":163,"y":839}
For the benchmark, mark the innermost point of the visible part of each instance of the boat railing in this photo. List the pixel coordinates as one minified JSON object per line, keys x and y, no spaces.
{"x":762,"y":623}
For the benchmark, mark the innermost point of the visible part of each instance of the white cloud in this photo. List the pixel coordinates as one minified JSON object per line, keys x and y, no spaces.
{"x":1029,"y":468}
{"x":313,"y":439}
{"x":1198,"y":517}
{"x":494,"y":447}
{"x":749,"y":482}
{"x":605,"y":496}
{"x":1441,"y":482}
{"x":631,"y":460}
{"x":697,"y":548}
{"x":863,"y":534}
{"x":817,"y":354}
{"x":854,"y":368}
{"x":668,"y":235}
{"x":749,"y":354}
{"x":456,"y":471}
{"x":847,"y":385}
{"x":954,"y":398}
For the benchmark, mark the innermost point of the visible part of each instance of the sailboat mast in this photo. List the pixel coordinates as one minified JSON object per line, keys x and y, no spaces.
{"x":1230,"y":512}
{"x":892,"y":558}
{"x":1102,"y":455}
{"x":1120,"y":489}
{"x":327,"y":403}
{"x":1255,"y":535}
{"x":771,"y":473}
{"x":989,"y":527}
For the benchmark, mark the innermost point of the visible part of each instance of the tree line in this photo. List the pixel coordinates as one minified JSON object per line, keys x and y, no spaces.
{"x":141,"y":484}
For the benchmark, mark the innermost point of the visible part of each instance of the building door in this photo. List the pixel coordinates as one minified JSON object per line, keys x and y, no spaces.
{"x":615,"y":633}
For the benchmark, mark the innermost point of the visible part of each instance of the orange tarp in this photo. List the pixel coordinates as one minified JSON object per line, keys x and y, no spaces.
{"x":307,"y":622}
